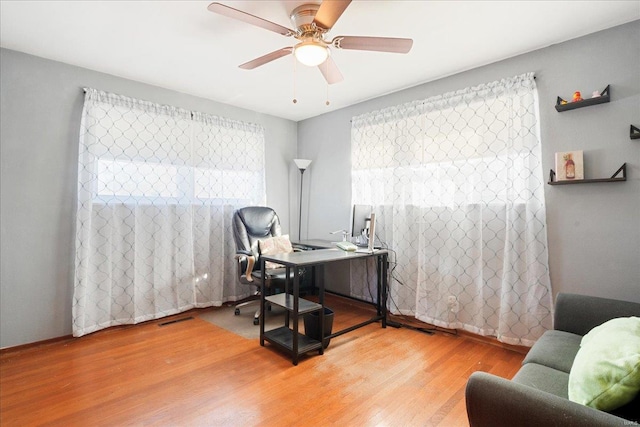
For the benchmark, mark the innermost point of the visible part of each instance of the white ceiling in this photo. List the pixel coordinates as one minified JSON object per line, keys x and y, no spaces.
{"x":180,"y":45}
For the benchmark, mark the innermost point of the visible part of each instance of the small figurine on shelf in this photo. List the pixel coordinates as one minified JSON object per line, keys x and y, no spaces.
{"x":576,"y":96}
{"x":595,"y":94}
{"x":563,"y":102}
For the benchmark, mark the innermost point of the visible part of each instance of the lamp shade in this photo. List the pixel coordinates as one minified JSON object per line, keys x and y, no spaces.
{"x":311,"y":53}
{"x":302,"y":164}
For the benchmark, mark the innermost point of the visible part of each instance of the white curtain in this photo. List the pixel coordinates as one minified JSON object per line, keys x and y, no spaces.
{"x":157,"y":187}
{"x":456,"y":183}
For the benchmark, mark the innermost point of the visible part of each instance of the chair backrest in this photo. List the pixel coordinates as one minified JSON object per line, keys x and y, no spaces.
{"x":251,"y":224}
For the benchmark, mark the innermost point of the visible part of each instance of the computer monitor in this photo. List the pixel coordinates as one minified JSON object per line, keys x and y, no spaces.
{"x":372,"y":233}
{"x":360,"y":220}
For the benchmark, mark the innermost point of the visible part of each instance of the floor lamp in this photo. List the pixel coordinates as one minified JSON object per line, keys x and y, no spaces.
{"x":302,"y":165}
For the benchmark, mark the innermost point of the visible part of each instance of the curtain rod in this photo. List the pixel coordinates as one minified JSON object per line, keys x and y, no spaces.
{"x":351,"y":121}
{"x":194,"y":112}
{"x":191,"y":113}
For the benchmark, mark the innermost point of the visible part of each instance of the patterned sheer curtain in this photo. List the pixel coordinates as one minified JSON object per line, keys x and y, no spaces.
{"x":157,"y":188}
{"x":456,"y":183}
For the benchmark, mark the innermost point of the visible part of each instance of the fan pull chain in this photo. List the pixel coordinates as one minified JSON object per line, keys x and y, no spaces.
{"x":327,"y":101}
{"x":326,"y":69}
{"x":295,"y":100}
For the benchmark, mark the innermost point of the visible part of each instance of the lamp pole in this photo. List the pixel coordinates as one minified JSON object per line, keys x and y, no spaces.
{"x":302,"y":165}
{"x":300,"y":212}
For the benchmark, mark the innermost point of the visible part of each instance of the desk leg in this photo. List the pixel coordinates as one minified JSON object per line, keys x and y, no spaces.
{"x":385,"y":284}
{"x":320,"y":272}
{"x":287,"y":285}
{"x":381,"y":305}
{"x":296,"y":308}
{"x":263,"y":290}
{"x":314,"y":281}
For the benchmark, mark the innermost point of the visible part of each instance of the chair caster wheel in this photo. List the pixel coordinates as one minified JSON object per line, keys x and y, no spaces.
{"x":237,"y":312}
{"x":256,"y":321}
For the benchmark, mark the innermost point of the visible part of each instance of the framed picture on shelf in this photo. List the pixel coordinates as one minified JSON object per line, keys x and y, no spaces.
{"x":569,"y":166}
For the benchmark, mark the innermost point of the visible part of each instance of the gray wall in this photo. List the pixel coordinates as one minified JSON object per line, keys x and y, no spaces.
{"x":41,"y":104}
{"x":593,"y":229}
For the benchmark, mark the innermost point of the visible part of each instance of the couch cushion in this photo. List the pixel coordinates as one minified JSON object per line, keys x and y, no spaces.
{"x":543,"y":378}
{"x":606,"y":371}
{"x":555,"y":349}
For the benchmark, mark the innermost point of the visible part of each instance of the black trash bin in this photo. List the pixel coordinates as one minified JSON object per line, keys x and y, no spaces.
{"x":312,"y":324}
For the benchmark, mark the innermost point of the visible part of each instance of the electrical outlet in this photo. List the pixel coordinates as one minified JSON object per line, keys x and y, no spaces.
{"x":453,"y":304}
{"x":455,"y":307}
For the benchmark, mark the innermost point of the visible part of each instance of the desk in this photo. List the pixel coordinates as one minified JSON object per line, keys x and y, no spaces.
{"x":291,"y":340}
{"x":338,"y":275}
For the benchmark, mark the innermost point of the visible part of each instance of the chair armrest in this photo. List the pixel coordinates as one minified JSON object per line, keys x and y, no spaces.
{"x":251,"y":260}
{"x":579,"y":314}
{"x":497,"y":402}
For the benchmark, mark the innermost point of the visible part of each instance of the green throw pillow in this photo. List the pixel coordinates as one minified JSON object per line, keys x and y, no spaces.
{"x":606,"y":371}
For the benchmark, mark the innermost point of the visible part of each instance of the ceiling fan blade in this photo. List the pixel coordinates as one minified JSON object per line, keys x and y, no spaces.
{"x":329,"y":12}
{"x":249,"y":19}
{"x":330,"y":71}
{"x":266,"y":58}
{"x":379,"y":44}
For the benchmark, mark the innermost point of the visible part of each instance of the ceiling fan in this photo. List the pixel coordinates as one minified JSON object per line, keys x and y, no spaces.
{"x":312,"y":22}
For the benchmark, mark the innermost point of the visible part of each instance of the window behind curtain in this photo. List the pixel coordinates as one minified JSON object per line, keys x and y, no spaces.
{"x":157,"y":187}
{"x":456,"y":182}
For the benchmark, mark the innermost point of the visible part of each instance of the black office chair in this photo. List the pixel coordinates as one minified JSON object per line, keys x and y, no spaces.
{"x":250,"y":225}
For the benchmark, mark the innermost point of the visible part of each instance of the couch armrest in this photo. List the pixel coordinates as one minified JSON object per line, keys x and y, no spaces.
{"x":497,"y":402}
{"x":579,"y":314}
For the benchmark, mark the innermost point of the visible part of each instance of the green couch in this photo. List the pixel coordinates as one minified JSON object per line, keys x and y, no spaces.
{"x":538,"y":394}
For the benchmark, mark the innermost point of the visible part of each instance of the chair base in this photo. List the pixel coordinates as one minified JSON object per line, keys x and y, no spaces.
{"x":256,"y":316}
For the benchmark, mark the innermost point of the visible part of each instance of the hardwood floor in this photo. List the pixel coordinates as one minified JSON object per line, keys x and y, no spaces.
{"x":193,"y":373}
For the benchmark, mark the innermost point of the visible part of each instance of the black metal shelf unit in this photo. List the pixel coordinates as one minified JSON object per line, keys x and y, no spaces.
{"x":614,"y":178}
{"x":563,"y":105}
{"x":283,"y":337}
{"x":290,"y":339}
{"x":287,"y":301}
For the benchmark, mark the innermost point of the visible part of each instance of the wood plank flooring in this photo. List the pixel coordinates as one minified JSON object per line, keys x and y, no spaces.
{"x":192,"y":373}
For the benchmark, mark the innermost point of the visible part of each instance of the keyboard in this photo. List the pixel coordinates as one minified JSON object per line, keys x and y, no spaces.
{"x":347,"y":246}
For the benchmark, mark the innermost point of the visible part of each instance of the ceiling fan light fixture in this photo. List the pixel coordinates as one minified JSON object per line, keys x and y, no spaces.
{"x":311,"y":53}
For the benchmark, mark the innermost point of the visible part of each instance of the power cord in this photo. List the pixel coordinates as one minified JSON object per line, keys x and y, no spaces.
{"x":391,"y":270}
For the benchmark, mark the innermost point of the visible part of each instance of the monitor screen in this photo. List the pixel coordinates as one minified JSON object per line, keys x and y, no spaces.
{"x":360,"y":220}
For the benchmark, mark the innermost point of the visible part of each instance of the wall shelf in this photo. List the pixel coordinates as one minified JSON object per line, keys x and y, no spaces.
{"x":614,"y":178}
{"x":587,"y":102}
{"x":634,"y":132}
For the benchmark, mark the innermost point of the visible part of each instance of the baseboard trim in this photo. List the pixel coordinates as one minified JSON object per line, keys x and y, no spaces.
{"x":22,"y":347}
{"x":494,"y":341}
{"x":413,"y":322}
